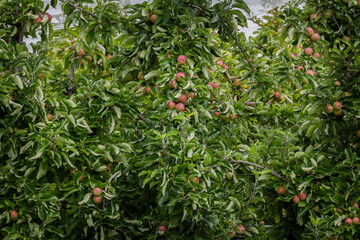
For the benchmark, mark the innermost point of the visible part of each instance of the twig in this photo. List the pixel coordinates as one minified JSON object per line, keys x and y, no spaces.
{"x":243,"y":52}
{"x":261,"y":167}
{"x":142,"y":118}
{"x":250,"y":199}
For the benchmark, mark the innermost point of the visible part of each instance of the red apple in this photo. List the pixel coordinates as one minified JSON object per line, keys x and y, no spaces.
{"x":356,"y":220}
{"x":233,"y":117}
{"x":181,"y":59}
{"x":195,"y":180}
{"x":108,"y":56}
{"x":216,"y":114}
{"x":14,"y":215}
{"x":37,"y":20}
{"x":153,"y":18}
{"x":241,"y":229}
{"x":140,"y":76}
{"x":329,"y":109}
{"x":349,"y":221}
{"x":309,"y":31}
{"x":250,"y":104}
{"x":302,"y":196}
{"x":171,"y":105}
{"x":277,"y":95}
{"x":97,"y":191}
{"x":49,"y":116}
{"x":220,"y":63}
{"x":292,"y":55}
{"x":308,"y":51}
{"x":299,"y":68}
{"x":180,"y":107}
{"x":317,"y":55}
{"x":226,"y":67}
{"x":148,"y":90}
{"x":337,"y":83}
{"x":161,"y":230}
{"x":179,"y":76}
{"x":181,"y":30}
{"x":313,"y":16}
{"x":296,"y":199}
{"x":237,"y":82}
{"x":215,"y":85}
{"x":281,"y":190}
{"x":337,"y":105}
{"x":172,"y":84}
{"x":81,"y":52}
{"x":315,"y":37}
{"x":97,"y":199}
{"x":48,"y":16}
{"x":74,"y":46}
{"x":182,"y":98}
{"x":310,"y":72}
{"x":355,"y":204}
{"x":191,"y":95}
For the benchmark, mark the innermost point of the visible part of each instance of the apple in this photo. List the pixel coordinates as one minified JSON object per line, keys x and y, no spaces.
{"x":313,"y":16}
{"x":108,"y":56}
{"x":97,"y":199}
{"x":329,"y":109}
{"x":153,"y":18}
{"x":97,"y":191}
{"x":180,"y":107}
{"x":349,"y":221}
{"x":82,"y":62}
{"x":250,"y":104}
{"x":337,"y":83}
{"x":315,"y":37}
{"x":261,"y":223}
{"x":48,"y":16}
{"x":140,"y":76}
{"x":162,"y":229}
{"x":281,"y":190}
{"x":49,"y":116}
{"x":299,"y":68}
{"x":292,"y":55}
{"x":81,"y":52}
{"x":334,"y":237}
{"x":279,"y":99}
{"x":41,"y":76}
{"x":14,"y":215}
{"x":302,"y":196}
{"x":72,"y":171}
{"x":220,"y":63}
{"x":241,"y":229}
{"x":215,"y":85}
{"x":37,"y":20}
{"x":171,"y":105}
{"x":181,"y":59}
{"x":179,"y":76}
{"x":309,"y":31}
{"x":358,"y":135}
{"x":277,"y":95}
{"x":182,"y":98}
{"x":216,"y":114}
{"x":346,"y":38}
{"x":338,"y":112}
{"x":356,"y":220}
{"x":229,"y":175}
{"x":296,"y":199}
{"x":317,"y":55}
{"x":147,"y":90}
{"x":340,"y":210}
{"x":233,"y":117}
{"x":310,"y":72}
{"x":298,"y":46}
{"x":356,"y":205}
{"x":237,"y":82}
{"x":337,"y":105}
{"x":195,"y":180}
{"x":172,"y":84}
{"x":226,"y":67}
{"x":308,"y":51}
{"x":191,"y":95}
{"x":182,"y":30}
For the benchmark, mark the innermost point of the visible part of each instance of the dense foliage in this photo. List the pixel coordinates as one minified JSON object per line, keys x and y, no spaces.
{"x":161,"y":120}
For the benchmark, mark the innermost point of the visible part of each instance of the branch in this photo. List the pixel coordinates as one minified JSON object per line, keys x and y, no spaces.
{"x":261,"y":167}
{"x":81,"y":9}
{"x":243,"y":52}
{"x":199,"y":8}
{"x":142,"y":118}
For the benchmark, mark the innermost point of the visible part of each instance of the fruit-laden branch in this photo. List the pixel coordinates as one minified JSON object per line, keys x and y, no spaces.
{"x":261,"y":167}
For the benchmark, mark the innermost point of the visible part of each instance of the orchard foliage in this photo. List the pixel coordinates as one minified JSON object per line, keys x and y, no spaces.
{"x":160,"y":120}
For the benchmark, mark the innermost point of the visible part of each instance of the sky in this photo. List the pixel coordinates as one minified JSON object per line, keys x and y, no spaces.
{"x":257,"y":7}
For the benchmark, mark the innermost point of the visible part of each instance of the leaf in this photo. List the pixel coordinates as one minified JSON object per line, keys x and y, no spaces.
{"x":85,"y":199}
{"x":243,"y":148}
{"x":39,"y":96}
{"x":42,"y":170}
{"x":17,"y":81}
